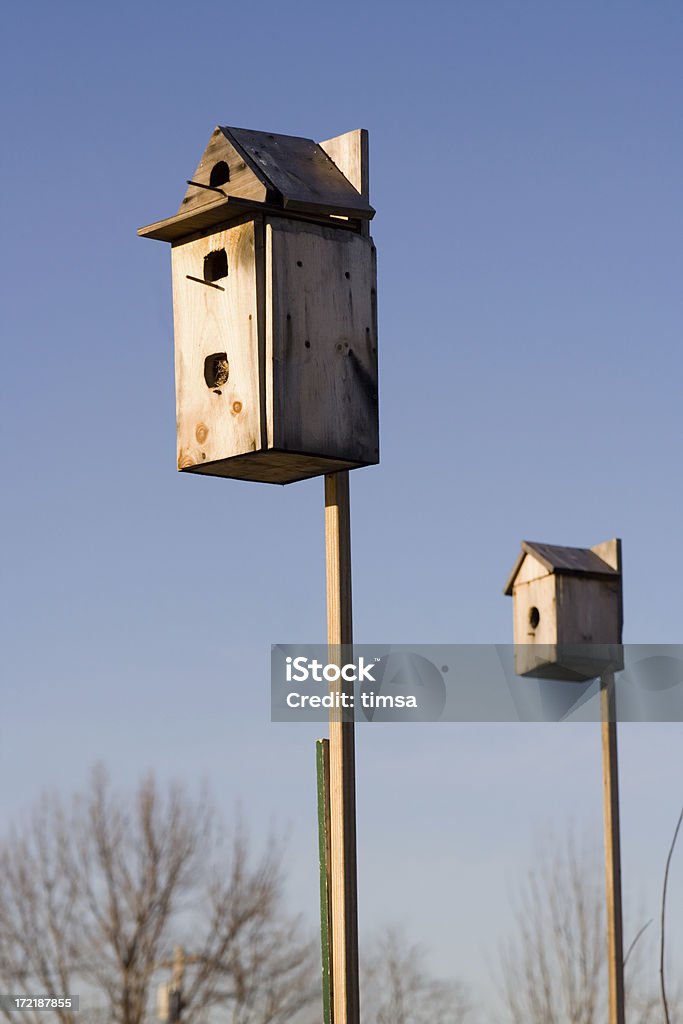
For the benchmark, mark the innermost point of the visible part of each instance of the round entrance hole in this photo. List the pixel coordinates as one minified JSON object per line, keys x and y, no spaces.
{"x":534,"y":617}
{"x":220,"y":174}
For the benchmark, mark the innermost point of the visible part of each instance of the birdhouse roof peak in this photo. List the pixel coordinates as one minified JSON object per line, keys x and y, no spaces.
{"x":568,"y":561}
{"x":242,"y":170}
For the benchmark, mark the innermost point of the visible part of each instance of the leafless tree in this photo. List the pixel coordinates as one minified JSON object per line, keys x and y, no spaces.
{"x":662,"y":945}
{"x":94,"y":896}
{"x":399,"y":989}
{"x":554,"y":965}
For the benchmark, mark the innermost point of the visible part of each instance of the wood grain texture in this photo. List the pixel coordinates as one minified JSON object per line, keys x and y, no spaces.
{"x":321,"y":341}
{"x":344,"y":884}
{"x":611,"y":552}
{"x":272,"y":467}
{"x":213,"y":421}
{"x":221,"y":212}
{"x":588,"y":610}
{"x":350,"y":153}
{"x":300,"y":171}
{"x":244,"y":182}
{"x":530,"y":569}
{"x":540,"y":594}
{"x":610,"y":787}
{"x":191,"y":224}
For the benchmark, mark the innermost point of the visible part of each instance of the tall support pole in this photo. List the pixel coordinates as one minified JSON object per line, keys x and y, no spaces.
{"x":610,"y":785}
{"x":344,"y":884}
{"x":176,"y":1007}
{"x":322,"y":749}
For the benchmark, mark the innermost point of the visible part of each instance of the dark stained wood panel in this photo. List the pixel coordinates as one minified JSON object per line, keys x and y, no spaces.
{"x":272,"y":467}
{"x":321,"y":341}
{"x":568,"y":559}
{"x":301,"y":171}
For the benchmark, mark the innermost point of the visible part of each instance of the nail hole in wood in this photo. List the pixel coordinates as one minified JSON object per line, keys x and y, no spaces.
{"x":220,"y":174}
{"x":215,"y":265}
{"x":299,"y":263}
{"x":216,"y":370}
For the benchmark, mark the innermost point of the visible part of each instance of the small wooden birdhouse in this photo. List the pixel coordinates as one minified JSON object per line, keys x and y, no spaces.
{"x":567,"y":610}
{"x":274,"y":305}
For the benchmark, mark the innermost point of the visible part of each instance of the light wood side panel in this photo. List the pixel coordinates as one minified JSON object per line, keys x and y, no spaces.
{"x":610,"y":552}
{"x":216,"y":422}
{"x":539,"y":594}
{"x":321,"y":341}
{"x":350,"y":154}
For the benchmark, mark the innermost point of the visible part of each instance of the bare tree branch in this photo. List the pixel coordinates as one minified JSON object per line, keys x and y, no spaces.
{"x":633,"y":945}
{"x":663,"y":921}
{"x":397,"y":988}
{"x":553,"y":965}
{"x":97,"y":897}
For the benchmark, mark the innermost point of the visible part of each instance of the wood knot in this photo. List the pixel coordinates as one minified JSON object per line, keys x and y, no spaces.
{"x":201,"y":433}
{"x":236,"y":408}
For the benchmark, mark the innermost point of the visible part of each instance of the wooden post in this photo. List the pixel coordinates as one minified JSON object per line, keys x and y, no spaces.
{"x":344,"y":890}
{"x":176,"y":1004}
{"x":610,"y":783}
{"x":322,"y":750}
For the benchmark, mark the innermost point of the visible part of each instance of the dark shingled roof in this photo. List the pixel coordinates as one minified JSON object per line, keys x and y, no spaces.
{"x":563,"y":560}
{"x":300,"y":170}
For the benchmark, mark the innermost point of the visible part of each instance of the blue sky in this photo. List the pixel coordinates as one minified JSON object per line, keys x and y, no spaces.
{"x":525,"y":166}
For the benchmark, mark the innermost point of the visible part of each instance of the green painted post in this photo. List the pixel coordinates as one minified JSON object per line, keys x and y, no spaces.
{"x":322,"y":752}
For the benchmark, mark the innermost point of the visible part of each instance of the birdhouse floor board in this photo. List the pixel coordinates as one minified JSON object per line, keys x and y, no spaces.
{"x":273,"y":467}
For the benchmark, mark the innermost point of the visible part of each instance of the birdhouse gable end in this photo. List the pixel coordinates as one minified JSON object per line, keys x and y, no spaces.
{"x":223,"y":172}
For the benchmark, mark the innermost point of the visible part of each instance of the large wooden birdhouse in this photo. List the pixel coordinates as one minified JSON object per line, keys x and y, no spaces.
{"x":274,"y":306}
{"x":567,"y":610}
